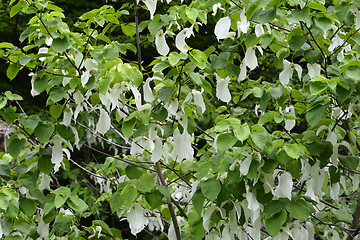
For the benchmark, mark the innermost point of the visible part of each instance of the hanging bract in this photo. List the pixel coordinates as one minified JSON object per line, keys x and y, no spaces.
{"x":184,"y":120}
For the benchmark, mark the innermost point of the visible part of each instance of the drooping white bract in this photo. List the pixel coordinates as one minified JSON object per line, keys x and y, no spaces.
{"x":253,"y":206}
{"x":222,"y":28}
{"x":207,"y":215}
{"x":148,"y":94}
{"x":259,"y":30}
{"x":33,"y":78}
{"x":198,"y":100}
{"x":151,"y":5}
{"x":91,"y":68}
{"x":222,"y":90}
{"x":245,"y":165}
{"x":157,"y":150}
{"x":103,"y":125}
{"x":242,"y":74}
{"x":172,"y":106}
{"x":57,"y":153}
{"x":216,"y":7}
{"x":243,"y":25}
{"x":136,"y":219}
{"x":78,"y":58}
{"x":313,"y":69}
{"x":67,"y":117}
{"x":290,"y":123}
{"x":160,"y":42}
{"x":138,"y":145}
{"x":283,"y":190}
{"x":250,"y":59}
{"x":180,"y":39}
{"x":287,"y":73}
{"x":182,"y":148}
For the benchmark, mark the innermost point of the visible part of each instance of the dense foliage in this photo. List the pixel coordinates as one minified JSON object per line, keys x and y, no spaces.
{"x":189,"y":120}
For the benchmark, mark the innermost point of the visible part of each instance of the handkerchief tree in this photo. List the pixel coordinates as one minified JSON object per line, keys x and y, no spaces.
{"x":248,"y":132}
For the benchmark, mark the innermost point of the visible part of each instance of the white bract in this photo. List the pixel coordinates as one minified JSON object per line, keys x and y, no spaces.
{"x":222,"y":90}
{"x":104,"y":122}
{"x":222,"y":28}
{"x":182,"y":148}
{"x":137,"y":220}
{"x":151,"y":5}
{"x":283,"y":190}
{"x":243,"y":25}
{"x":160,"y":42}
{"x":287,"y":73}
{"x":181,"y":37}
{"x":313,"y":69}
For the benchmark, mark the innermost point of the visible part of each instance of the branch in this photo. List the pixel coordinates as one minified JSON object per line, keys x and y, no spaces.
{"x":317,"y":44}
{"x":355,"y":222}
{"x":171,"y":208}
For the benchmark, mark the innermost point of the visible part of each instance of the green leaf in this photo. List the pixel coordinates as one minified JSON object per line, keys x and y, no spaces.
{"x":43,"y":132}
{"x":316,"y":6}
{"x":65,"y":132}
{"x":198,"y":200}
{"x":3,"y":102}
{"x":198,"y":58}
{"x":44,"y":164}
{"x":317,"y":87}
{"x":16,"y":146}
{"x":17,"y":8}
{"x":128,"y":73}
{"x":300,"y":15}
{"x":297,"y":41}
{"x":259,"y":138}
{"x":294,"y":150}
{"x":128,"y":29}
{"x":127,"y":127}
{"x":77,"y":204}
{"x":210,"y":188}
{"x":225,"y":141}
{"x":298,"y":209}
{"x":312,"y":56}
{"x":61,"y":44}
{"x":24,"y":60}
{"x":22,"y":227}
{"x":160,"y":115}
{"x":192,"y":14}
{"x":267,"y":15}
{"x":41,"y":83}
{"x":60,"y":200}
{"x":174,"y":58}
{"x":12,"y":71}
{"x":283,"y":158}
{"x":350,"y":162}
{"x":56,"y":110}
{"x":272,"y":208}
{"x":241,"y":132}
{"x":203,"y":170}
{"x":133,"y":172}
{"x":274,"y":223}
{"x":13,"y":210}
{"x":165,"y":94}
{"x":342,"y":215}
{"x":104,"y":226}
{"x":315,"y":114}
{"x":146,"y":183}
{"x":56,"y":94}
{"x":27,"y":206}
{"x":128,"y":196}
{"x":154,"y":198}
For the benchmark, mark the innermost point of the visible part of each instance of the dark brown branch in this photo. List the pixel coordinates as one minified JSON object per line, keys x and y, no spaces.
{"x":171,"y":208}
